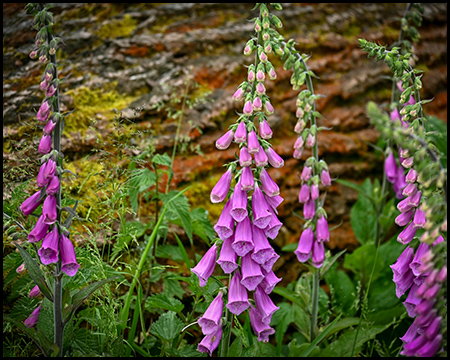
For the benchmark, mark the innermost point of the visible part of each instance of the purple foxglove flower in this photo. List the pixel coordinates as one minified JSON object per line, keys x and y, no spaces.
{"x":322,"y":231}
{"x":407,"y":234}
{"x":410,"y":189}
{"x":49,"y":210}
{"x":210,"y":342}
{"x":225,"y":225}
{"x":432,"y":330}
{"x":48,"y":128}
{"x":264,"y":130}
{"x":304,"y":194}
{"x":298,"y":153}
{"x":403,"y":283}
{"x":31,"y":204}
{"x":268,"y":185}
{"x":238,"y":95}
{"x":39,"y":230}
{"x":260,"y":208}
{"x":268,"y":108}
{"x":404,"y":205}
{"x":269,"y":282}
{"x":68,"y":257}
{"x":245,"y":159}
{"x":305,"y":245}
{"x":49,"y":248}
{"x":239,"y":203}
{"x":267,"y":266}
{"x":442,"y":275}
{"x":51,"y":90}
{"x":271,"y":231}
{"x":299,"y":143}
{"x":210,"y":321}
{"x":325,"y":178}
{"x":251,"y":273}
{"x":257,"y":103}
{"x":45,"y":145}
{"x":411,"y":347}
{"x":225,"y":140}
{"x":410,"y":334}
{"x":404,"y":218}
{"x":431,"y":347}
{"x":261,"y":329}
{"x":414,"y":200}
{"x":21,"y":268}
{"x":240,"y":135}
{"x":306,"y":173}
{"x":390,"y":167}
{"x":35,"y":292}
{"x":243,"y":238}
{"x":411,"y":176}
{"x":314,"y":191}
{"x":260,"y":76}
{"x":262,"y":250}
{"x":265,"y":305}
{"x":399,"y":183}
{"x":425,"y":319}
{"x":261,"y":158}
{"x":273,"y":201}
{"x":32,"y":320}
{"x":318,"y":254}
{"x":53,"y":186}
{"x":252,"y":143}
{"x":419,"y":219}
{"x":309,"y":209}
{"x":34,"y":53}
{"x":274,"y":159}
{"x":300,"y":125}
{"x":43,"y":112}
{"x":227,"y":257}
{"x":44,"y":85}
{"x":251,"y":76}
{"x":220,"y":190}
{"x":205,"y":266}
{"x":46,"y":172}
{"x":432,"y":292}
{"x":412,"y":301}
{"x":408,"y":162}
{"x":310,"y":140}
{"x":248,"y":108}
{"x":237,"y":295}
{"x":247,"y":180}
{"x":272,"y":74}
{"x":395,"y":115}
{"x":401,"y":266}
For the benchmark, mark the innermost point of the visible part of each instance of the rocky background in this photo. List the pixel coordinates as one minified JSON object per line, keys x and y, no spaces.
{"x":134,"y":56}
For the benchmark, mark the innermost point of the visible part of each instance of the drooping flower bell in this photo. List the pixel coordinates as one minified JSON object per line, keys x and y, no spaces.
{"x":210,"y":321}
{"x":237,"y":295}
{"x":206,"y":265}
{"x":31,"y":204}
{"x":227,"y":257}
{"x":210,"y":342}
{"x":32,"y":320}
{"x":39,"y":230}
{"x":68,"y":257}
{"x":225,"y":225}
{"x":225,"y":140}
{"x":220,"y":190}
{"x":305,"y":245}
{"x":251,"y":272}
{"x":49,"y":248}
{"x":261,"y":329}
{"x":265,"y":305}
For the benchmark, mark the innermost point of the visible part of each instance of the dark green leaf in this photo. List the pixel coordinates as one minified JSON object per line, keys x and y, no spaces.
{"x":167,"y":327}
{"x":161,"y":301}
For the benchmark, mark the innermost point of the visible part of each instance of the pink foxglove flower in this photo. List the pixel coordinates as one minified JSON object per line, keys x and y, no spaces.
{"x":252,"y":143}
{"x":407,"y":234}
{"x":238,"y":95}
{"x":49,"y":210}
{"x":309,"y":209}
{"x":31,"y":204}
{"x":53,"y":186}
{"x":304,"y":194}
{"x":228,"y":257}
{"x":220,"y":190}
{"x":210,"y":321}
{"x":390,"y":167}
{"x":268,"y":108}
{"x":247,"y":180}
{"x":210,"y":342}
{"x":39,"y":230}
{"x":265,"y":305}
{"x":269,"y":282}
{"x":225,"y":225}
{"x":206,"y":265}
{"x":251,"y":273}
{"x":274,"y":226}
{"x":46,"y":172}
{"x":45,"y":145}
{"x":305,"y":245}
{"x":243,"y":239}
{"x":264,"y":130}
{"x":239,"y":203}
{"x":262,"y":250}
{"x":35,"y":292}
{"x":248,"y":108}
{"x":240,"y":135}
{"x":225,"y":140}
{"x":260,"y":208}
{"x":257,"y":103}
{"x":32,"y":320}
{"x":68,"y":257}
{"x":268,"y":185}
{"x":261,"y":329}
{"x":245,"y":159}
{"x":237,"y":295}
{"x":261,"y":158}
{"x":49,"y":248}
{"x":318,"y":254}
{"x":322,"y":231}
{"x":274,"y":159}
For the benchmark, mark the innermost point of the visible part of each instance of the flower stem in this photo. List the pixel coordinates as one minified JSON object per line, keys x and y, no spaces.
{"x":315,"y":305}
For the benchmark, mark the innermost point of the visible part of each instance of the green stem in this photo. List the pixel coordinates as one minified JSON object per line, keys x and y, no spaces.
{"x":314,"y":305}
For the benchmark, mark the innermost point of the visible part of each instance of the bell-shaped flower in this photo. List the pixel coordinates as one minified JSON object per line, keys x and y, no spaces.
{"x":260,"y":89}
{"x":403,"y":283}
{"x":237,"y":295}
{"x":322,"y":231}
{"x":227,"y":257}
{"x":205,"y":266}
{"x":31,"y":204}
{"x":411,"y":176}
{"x":268,"y":108}
{"x":267,"y":266}
{"x":402,"y":265}
{"x":46,"y":172}
{"x":39,"y":230}
{"x":261,"y":158}
{"x":269,"y":282}
{"x":260,"y":76}
{"x":390,"y":167}
{"x":262,"y":250}
{"x":247,"y":180}
{"x":257,"y":103}
{"x":299,"y":143}
{"x":245,"y":159}
{"x":412,"y":301}
{"x":261,"y":329}
{"x":260,"y":208}
{"x":274,"y":226}
{"x":49,"y":210}
{"x":309,"y":209}
{"x":306,"y":173}
{"x":419,"y":219}
{"x":399,"y":183}
{"x":225,"y":140}
{"x":414,"y":200}
{"x":268,"y":185}
{"x":35,"y":292}
{"x":45,"y":145}
{"x":304,"y":194}
{"x":409,"y":189}
{"x":239,"y":203}
{"x":252,"y":143}
{"x":43,"y":112}
{"x":430,"y":348}
{"x":240,"y":135}
{"x":325,"y":178}
{"x":238,"y":95}
{"x":318,"y":254}
{"x":264,"y":129}
{"x":305,"y":245}
{"x":210,"y":321}
{"x":225,"y":225}
{"x":220,"y":190}
{"x":433,"y":328}
{"x":248,"y":108}
{"x":49,"y":248}
{"x":210,"y":342}
{"x":407,"y":234}
{"x":32,"y":320}
{"x":53,"y":186}
{"x":265,"y":305}
{"x":251,"y":273}
{"x":274,"y":159}
{"x":243,"y":238}
{"x":404,"y":205}
{"x":68,"y":257}
{"x":404,"y":218}
{"x":273,"y":201}
{"x":416,"y":261}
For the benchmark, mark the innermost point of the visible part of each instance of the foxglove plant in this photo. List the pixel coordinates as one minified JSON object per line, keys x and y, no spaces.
{"x":424,"y":206}
{"x":249,"y":216}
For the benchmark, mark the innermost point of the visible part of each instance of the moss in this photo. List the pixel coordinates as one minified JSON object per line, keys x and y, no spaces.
{"x":117,"y":28}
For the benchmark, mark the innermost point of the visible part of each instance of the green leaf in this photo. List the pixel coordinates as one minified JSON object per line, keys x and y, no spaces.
{"x":201,"y":226}
{"x":164,"y":160}
{"x":161,"y":301}
{"x":183,"y":252}
{"x":363,"y":220}
{"x":361,"y":262}
{"x":141,"y":180}
{"x":343,"y":292}
{"x":167,"y":327}
{"x":291,"y":296}
{"x":178,"y":209}
{"x":35,"y":272}
{"x":235,"y":348}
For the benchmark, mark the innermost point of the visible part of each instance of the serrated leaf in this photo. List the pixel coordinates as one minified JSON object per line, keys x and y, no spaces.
{"x":178,"y":209}
{"x":141,"y":180}
{"x":167,"y":327}
{"x":161,"y":301}
{"x":162,"y":159}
